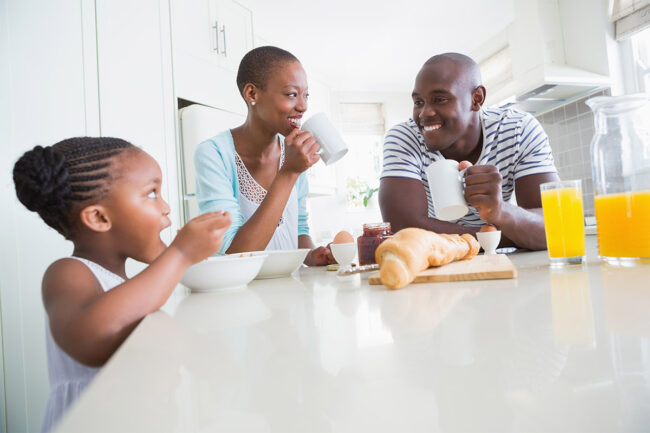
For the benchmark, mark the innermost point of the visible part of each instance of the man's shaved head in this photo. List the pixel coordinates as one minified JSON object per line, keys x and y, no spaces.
{"x":466,"y":69}
{"x":447,"y":98}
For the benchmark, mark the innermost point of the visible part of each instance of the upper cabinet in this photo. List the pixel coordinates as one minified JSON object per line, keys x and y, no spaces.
{"x":232,"y":30}
{"x":210,"y":37}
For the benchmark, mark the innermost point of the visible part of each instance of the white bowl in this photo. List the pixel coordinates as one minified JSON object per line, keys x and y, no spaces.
{"x":489,"y":240}
{"x":223,"y":272}
{"x":344,"y":253}
{"x":280,"y":263}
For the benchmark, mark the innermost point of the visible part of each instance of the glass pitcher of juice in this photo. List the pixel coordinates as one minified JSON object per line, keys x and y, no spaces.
{"x":620,"y":161}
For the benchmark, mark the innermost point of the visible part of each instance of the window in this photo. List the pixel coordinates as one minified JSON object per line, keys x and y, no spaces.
{"x":641,"y":53}
{"x":363,"y":129}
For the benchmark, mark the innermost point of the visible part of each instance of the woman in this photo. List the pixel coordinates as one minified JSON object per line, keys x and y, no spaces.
{"x":257,"y":170}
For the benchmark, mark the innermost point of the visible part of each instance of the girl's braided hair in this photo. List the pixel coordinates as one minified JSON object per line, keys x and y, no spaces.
{"x":56,"y":180}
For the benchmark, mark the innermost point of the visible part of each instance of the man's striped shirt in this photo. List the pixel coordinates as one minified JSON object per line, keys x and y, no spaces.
{"x":513,"y":141}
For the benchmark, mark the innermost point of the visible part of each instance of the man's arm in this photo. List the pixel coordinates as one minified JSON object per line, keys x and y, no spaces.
{"x":403,"y":203}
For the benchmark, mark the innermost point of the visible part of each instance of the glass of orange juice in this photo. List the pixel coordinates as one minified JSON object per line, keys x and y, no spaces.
{"x":623,"y":221}
{"x":564,"y":222}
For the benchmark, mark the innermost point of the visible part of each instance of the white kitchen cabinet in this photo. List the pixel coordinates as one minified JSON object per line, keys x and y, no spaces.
{"x":233,"y":32}
{"x":192,"y":31}
{"x":137,"y":34}
{"x":197,"y":124}
{"x":217,"y":31}
{"x":209,"y":38}
{"x":137,"y":102}
{"x":48,"y":88}
{"x":89,"y":67}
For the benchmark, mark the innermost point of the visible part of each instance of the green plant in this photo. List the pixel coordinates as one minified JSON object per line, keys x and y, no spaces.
{"x":368,"y":195}
{"x":358,"y":192}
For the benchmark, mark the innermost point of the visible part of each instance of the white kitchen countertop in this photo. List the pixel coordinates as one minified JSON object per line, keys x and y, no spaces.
{"x":550,"y":351}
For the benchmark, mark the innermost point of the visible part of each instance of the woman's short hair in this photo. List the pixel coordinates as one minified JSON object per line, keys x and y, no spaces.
{"x":257,"y":65}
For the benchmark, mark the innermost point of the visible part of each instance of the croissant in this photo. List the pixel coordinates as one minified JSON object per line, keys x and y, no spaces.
{"x":412,"y":250}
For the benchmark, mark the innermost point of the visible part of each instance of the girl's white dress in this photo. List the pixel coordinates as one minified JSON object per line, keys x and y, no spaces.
{"x":68,"y":378}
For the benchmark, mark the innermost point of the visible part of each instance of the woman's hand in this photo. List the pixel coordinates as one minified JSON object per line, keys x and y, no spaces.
{"x":320,"y":256}
{"x":202,"y":236}
{"x":300,"y":151}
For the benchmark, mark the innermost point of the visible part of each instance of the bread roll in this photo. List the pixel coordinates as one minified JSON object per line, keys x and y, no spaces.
{"x":412,"y":250}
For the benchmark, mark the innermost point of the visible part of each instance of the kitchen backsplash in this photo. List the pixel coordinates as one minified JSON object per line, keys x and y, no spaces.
{"x":570,"y":129}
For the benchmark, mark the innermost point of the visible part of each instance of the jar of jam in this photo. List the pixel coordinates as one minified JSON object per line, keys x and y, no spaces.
{"x":367,"y":243}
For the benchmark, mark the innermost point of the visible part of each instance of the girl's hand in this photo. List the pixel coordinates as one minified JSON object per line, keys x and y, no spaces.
{"x":320,"y":256}
{"x":300,"y":151}
{"x":202,"y":236}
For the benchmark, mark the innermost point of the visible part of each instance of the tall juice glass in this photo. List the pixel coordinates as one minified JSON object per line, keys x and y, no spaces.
{"x":620,"y":152}
{"x":623,"y":226}
{"x":564,"y":222}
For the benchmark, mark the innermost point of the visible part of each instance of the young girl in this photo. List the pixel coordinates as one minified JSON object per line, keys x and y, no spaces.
{"x":103,"y":194}
{"x":257,"y":170}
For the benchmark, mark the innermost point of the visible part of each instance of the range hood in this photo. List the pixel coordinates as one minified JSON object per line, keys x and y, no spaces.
{"x":555,"y":85}
{"x":542,"y":61}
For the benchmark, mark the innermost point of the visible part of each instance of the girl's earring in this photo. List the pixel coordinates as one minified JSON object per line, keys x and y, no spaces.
{"x":252,"y":102}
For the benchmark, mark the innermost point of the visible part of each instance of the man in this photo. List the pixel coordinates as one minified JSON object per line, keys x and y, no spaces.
{"x":505,"y":150}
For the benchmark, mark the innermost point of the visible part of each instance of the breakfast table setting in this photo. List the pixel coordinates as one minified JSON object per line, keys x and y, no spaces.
{"x":550,"y":349}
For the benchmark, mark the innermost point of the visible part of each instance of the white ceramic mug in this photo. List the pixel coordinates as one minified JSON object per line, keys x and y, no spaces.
{"x":332,"y":146}
{"x":446,"y":188}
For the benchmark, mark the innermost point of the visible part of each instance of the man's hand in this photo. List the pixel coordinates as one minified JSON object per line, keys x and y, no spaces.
{"x":483,"y":190}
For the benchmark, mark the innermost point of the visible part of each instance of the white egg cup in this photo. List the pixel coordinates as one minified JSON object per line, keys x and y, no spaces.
{"x":344,"y":254}
{"x":489,"y":241}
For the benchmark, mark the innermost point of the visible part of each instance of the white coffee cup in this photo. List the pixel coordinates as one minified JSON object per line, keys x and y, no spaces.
{"x":332,"y":146}
{"x":446,"y":188}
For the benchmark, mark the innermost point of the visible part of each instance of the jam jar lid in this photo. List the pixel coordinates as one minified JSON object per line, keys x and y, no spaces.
{"x":373,"y":229}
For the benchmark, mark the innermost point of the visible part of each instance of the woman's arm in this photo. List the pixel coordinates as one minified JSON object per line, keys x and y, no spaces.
{"x":256,"y":233}
{"x":215,"y":185}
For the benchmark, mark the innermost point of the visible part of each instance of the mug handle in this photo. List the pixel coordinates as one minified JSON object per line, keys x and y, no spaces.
{"x":461,"y":177}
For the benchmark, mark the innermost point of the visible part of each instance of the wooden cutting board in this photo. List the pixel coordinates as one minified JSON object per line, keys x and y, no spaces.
{"x":483,"y":267}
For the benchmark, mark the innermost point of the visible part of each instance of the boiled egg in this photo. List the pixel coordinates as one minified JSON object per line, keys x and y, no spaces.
{"x":343,"y":237}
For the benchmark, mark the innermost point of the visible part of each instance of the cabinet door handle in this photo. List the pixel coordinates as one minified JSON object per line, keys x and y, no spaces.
{"x":216,"y":36}
{"x":223,"y":31}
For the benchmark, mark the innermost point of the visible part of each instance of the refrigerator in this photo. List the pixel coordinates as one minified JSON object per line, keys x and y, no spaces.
{"x":199,"y":123}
